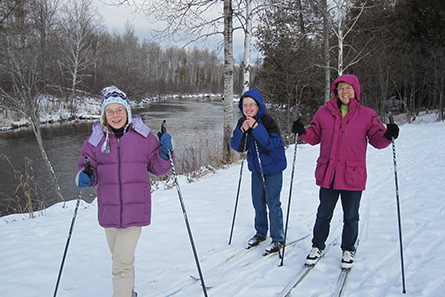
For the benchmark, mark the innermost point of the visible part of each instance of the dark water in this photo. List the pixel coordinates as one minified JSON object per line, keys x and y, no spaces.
{"x":191,"y":122}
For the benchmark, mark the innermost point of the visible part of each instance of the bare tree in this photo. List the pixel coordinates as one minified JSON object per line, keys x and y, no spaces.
{"x":437,"y":66}
{"x":247,"y":47}
{"x":340,"y":10}
{"x":228,"y":78}
{"x":77,"y":25}
{"x":7,"y":9}
{"x":24,"y":81}
{"x":326,"y":51}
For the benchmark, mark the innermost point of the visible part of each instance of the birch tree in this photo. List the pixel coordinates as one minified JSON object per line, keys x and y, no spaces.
{"x":24,"y":82}
{"x":77,"y":25}
{"x":341,"y":30}
{"x":247,"y":47}
{"x":228,"y":79}
{"x":326,"y":51}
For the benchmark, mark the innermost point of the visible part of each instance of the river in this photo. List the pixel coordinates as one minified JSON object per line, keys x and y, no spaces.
{"x":191,"y":122}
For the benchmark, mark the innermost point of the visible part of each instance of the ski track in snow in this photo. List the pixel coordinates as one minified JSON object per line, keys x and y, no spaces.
{"x":420,"y":163}
{"x":31,"y":250}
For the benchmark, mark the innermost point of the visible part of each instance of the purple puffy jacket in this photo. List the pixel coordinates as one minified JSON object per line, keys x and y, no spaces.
{"x":343,"y":141}
{"x":122,"y":179}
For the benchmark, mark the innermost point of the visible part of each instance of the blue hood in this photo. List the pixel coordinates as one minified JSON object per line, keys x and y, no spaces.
{"x":255,"y":94}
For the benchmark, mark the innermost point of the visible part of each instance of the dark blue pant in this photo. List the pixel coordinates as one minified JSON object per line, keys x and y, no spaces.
{"x":274,"y":183}
{"x":350,"y":201}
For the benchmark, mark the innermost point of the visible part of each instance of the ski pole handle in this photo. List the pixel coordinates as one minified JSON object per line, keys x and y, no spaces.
{"x":391,"y":118}
{"x":164,"y":127}
{"x":88,"y":169}
{"x":391,"y":122}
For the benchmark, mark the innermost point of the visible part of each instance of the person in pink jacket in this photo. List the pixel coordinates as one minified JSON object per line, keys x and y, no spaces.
{"x":122,"y":151}
{"x":343,"y":129}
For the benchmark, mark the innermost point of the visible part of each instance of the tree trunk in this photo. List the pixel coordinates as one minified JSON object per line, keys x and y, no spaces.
{"x":228,"y":79}
{"x":327,"y":71}
{"x":341,"y":18}
{"x":38,"y":134}
{"x":247,"y":47}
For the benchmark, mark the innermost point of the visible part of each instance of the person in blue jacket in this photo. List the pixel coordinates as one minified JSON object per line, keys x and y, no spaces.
{"x":258,"y":134}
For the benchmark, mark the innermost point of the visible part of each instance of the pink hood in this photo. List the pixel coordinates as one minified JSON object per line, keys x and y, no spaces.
{"x":350,"y":79}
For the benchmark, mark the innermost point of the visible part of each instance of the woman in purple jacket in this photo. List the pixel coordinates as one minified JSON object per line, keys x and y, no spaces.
{"x":343,"y":129}
{"x":122,"y":150}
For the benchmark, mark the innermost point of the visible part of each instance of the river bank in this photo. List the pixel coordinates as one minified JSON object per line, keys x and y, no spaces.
{"x":55,"y":110}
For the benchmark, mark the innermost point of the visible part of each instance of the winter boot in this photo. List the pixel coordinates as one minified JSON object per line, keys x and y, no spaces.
{"x":254,"y":241}
{"x":313,"y":257}
{"x":273,"y":247}
{"x":347,"y":260}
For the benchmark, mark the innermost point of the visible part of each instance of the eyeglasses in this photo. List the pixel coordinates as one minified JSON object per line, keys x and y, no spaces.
{"x":347,"y":89}
{"x":249,"y":105}
{"x":110,"y":112}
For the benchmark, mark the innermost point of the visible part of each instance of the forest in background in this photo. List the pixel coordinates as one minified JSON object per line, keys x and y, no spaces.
{"x":61,"y":50}
{"x":395,"y":47}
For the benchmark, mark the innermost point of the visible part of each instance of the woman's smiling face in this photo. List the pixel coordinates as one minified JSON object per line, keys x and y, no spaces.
{"x":116,"y":115}
{"x":345,"y":91}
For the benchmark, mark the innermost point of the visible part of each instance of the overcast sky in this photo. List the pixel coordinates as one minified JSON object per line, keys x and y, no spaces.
{"x":115,"y":18}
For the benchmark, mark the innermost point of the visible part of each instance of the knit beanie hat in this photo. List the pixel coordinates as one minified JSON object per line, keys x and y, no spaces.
{"x":114,"y":95}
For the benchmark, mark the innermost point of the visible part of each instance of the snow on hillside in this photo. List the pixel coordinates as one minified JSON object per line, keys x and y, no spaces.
{"x":31,"y":249}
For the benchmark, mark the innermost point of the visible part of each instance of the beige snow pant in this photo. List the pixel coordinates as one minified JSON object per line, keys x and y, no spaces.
{"x":122,"y":244}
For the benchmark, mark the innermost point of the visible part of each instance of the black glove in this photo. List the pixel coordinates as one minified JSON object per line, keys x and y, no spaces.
{"x":392,"y":131}
{"x":298,"y":128}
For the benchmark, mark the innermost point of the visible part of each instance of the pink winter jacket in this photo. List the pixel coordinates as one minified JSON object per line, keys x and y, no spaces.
{"x":123,"y":183}
{"x":343,"y":141}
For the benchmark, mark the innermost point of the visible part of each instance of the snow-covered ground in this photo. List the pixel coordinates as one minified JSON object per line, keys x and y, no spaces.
{"x":52,"y":110}
{"x":31,"y":249}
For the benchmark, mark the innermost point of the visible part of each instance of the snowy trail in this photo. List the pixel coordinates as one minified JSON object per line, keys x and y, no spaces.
{"x":31,"y":250}
{"x":415,"y":163}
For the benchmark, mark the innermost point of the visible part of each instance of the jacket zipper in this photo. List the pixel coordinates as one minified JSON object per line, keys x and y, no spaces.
{"x":120,"y":183}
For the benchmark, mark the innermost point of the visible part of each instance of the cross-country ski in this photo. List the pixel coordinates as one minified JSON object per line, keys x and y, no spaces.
{"x":343,"y":277}
{"x":235,"y":257}
{"x":303,"y":273}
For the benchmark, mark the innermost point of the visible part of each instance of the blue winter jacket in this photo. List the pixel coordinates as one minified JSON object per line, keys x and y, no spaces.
{"x":266,"y":135}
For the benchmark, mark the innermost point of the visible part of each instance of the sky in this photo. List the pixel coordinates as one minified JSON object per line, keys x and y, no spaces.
{"x":31,"y":249}
{"x":115,"y":18}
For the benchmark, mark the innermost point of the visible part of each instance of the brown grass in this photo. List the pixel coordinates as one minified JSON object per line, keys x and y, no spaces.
{"x":30,"y":202}
{"x":195,"y":162}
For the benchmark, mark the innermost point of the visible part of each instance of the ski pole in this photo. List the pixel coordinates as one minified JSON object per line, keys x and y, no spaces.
{"x":290,"y":193}
{"x":184,"y":212}
{"x":237,"y":192}
{"x":391,"y":121}
{"x":266,"y":194}
{"x":88,"y":171}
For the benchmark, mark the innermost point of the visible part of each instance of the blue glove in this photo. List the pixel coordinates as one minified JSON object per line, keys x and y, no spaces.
{"x":166,"y":145}
{"x":83,"y":180}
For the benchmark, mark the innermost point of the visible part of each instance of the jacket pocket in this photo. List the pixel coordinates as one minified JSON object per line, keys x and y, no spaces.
{"x":354,"y":172}
{"x":320,"y":171}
